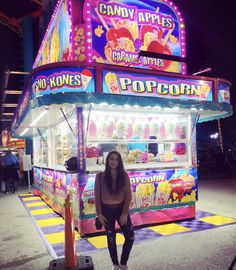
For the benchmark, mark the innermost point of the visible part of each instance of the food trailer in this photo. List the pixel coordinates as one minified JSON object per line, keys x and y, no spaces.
{"x":112,"y":75}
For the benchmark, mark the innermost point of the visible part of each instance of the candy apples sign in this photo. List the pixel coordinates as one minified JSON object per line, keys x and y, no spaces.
{"x":120,"y":30}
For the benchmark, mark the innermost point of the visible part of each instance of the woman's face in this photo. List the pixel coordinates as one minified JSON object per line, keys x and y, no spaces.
{"x":113,"y":161}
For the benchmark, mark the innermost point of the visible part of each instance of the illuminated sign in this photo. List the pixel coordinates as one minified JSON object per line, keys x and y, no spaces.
{"x":120,"y":83}
{"x":120,"y":30}
{"x":62,"y":80}
{"x":5,"y":137}
{"x":224,"y":92}
{"x":81,"y":161}
{"x":20,"y":143}
{"x":56,"y":45}
{"x":23,"y":103}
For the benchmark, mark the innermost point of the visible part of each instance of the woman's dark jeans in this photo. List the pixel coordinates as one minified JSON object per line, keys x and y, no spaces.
{"x":112,"y":214}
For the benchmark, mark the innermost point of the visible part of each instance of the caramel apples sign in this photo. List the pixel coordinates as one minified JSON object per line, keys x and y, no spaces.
{"x":121,"y":30}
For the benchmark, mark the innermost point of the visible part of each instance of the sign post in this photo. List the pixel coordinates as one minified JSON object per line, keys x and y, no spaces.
{"x":27,"y":166}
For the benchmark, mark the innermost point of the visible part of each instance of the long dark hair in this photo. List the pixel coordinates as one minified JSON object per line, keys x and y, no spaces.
{"x":120,"y":180}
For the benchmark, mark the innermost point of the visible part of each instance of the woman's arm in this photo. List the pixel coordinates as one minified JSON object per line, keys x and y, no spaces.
{"x":128,"y":195}
{"x":97,"y":193}
{"x":98,"y":204}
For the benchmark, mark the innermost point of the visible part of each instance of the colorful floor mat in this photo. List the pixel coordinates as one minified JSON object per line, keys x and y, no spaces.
{"x":51,"y":228}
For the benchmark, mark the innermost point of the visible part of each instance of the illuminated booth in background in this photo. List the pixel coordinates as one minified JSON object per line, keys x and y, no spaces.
{"x":111,"y":75}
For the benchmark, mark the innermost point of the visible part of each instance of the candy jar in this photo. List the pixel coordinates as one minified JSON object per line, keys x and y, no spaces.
{"x":121,"y":129}
{"x":169,"y":129}
{"x":154,"y":128}
{"x":130,"y":130}
{"x":138,"y":130}
{"x":92,"y":129}
{"x":102,"y":128}
{"x":162,"y":130}
{"x":146,"y":130}
{"x":182,"y":131}
{"x":177,"y":130}
{"x":110,"y":128}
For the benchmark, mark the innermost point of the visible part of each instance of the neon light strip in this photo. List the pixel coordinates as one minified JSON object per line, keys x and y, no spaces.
{"x":70,"y":16}
{"x":22,"y":133}
{"x":182,"y":32}
{"x":87,"y":16}
{"x":38,"y":118}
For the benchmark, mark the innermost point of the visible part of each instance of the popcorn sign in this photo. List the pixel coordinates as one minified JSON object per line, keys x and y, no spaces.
{"x":156,"y":86}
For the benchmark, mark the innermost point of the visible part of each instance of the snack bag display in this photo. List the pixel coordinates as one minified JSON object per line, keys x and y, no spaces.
{"x":163,"y":193}
{"x":145,"y":195}
{"x":134,"y":156}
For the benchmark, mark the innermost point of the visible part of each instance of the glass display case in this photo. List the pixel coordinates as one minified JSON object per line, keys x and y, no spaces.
{"x":145,"y":140}
{"x":64,"y":140}
{"x":41,"y":148}
{"x":56,"y":144}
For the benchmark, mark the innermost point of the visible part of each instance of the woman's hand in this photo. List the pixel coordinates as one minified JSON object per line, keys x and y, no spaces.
{"x":102,"y":219}
{"x":123,"y":219}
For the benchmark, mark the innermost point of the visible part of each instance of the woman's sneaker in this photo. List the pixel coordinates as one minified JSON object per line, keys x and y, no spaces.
{"x":123,"y":267}
{"x":116,"y":267}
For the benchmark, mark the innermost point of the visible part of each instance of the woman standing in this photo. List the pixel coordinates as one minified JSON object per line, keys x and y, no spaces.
{"x":112,"y":198}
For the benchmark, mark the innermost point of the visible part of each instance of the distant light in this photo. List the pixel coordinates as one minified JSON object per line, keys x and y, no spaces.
{"x":214,"y":136}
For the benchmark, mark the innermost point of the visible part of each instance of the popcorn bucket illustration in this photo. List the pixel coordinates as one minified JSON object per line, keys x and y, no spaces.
{"x":112,"y":83}
{"x":162,"y":198}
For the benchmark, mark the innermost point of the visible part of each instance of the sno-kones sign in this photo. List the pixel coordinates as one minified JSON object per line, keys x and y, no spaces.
{"x":62,"y":80}
{"x":120,"y":30}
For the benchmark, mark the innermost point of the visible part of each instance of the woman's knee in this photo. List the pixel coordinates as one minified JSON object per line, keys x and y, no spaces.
{"x":111,"y":236}
{"x":129,"y":234}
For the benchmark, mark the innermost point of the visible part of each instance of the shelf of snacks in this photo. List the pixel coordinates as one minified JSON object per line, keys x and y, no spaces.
{"x":113,"y":126}
{"x":151,"y":156}
{"x":144,"y":140}
{"x":124,"y":141}
{"x":141,"y":166}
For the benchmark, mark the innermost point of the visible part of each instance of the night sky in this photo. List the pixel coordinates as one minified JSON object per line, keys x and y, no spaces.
{"x":211,"y":39}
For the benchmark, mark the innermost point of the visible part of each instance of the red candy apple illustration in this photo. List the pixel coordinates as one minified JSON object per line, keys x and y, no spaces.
{"x":114,"y":34}
{"x":157,"y":47}
{"x":150,"y":29}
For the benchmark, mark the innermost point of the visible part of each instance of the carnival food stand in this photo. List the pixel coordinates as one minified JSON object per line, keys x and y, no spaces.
{"x":111,"y":75}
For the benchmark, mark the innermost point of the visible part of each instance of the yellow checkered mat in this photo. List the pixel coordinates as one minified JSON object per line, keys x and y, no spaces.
{"x":51,"y":228}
